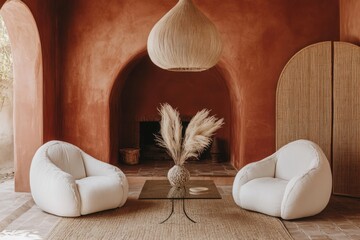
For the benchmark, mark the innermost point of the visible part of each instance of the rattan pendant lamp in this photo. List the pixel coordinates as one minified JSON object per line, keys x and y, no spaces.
{"x":184,"y":39}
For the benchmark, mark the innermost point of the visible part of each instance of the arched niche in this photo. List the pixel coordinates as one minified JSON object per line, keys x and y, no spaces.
{"x":28,"y":87}
{"x":141,"y":87}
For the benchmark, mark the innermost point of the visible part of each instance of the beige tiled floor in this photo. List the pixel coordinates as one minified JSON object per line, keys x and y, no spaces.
{"x":20,"y":218}
{"x":340,"y":220}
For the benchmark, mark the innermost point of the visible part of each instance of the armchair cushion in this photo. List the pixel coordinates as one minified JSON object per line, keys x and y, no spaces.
{"x":263,"y":195}
{"x":97,"y":193}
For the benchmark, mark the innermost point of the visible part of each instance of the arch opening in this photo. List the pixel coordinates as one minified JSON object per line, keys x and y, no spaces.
{"x":141,"y":87}
{"x":27,"y":87}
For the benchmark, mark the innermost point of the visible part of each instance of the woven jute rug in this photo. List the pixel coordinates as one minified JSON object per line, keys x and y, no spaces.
{"x":139,"y":219}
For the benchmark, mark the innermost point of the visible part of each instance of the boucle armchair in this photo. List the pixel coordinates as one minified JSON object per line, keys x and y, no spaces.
{"x":292,"y":183}
{"x":67,"y":182}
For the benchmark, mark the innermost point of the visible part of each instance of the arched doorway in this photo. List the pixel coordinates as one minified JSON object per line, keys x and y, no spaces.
{"x":28,"y":87}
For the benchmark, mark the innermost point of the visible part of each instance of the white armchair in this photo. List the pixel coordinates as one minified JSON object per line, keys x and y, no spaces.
{"x":292,"y":183}
{"x":67,"y":182}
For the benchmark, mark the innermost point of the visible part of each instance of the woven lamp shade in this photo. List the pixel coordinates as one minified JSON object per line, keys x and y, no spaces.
{"x":184,"y":40}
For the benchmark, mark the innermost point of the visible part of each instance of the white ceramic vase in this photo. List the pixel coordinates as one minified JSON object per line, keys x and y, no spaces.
{"x":178,"y":176}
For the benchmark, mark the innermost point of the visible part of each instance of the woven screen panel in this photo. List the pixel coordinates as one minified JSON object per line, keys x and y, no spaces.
{"x":304,"y":98}
{"x":346,"y":128}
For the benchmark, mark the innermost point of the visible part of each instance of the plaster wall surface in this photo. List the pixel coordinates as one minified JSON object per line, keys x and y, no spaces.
{"x":350,"y":21}
{"x":98,"y":40}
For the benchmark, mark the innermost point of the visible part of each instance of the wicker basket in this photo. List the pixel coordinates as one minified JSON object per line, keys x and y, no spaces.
{"x":130,"y":156}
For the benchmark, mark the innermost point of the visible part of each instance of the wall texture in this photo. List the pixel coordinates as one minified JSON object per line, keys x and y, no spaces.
{"x":97,"y":41}
{"x":350,"y":21}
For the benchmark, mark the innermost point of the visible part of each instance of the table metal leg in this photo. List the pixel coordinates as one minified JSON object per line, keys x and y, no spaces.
{"x":183,"y":200}
{"x":171,"y":213}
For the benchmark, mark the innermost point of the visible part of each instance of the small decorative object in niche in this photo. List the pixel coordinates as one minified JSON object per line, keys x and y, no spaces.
{"x":197,"y":137}
{"x":130,"y":156}
{"x":217,"y":150}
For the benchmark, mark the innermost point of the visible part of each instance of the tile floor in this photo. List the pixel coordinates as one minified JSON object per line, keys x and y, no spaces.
{"x":340,"y":220}
{"x":20,"y":218}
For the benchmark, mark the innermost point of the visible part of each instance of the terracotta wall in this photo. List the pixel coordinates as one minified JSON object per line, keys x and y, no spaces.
{"x":147,"y":86}
{"x":97,"y":41}
{"x":35,"y":114}
{"x":350,"y":21}
{"x":44,"y":13}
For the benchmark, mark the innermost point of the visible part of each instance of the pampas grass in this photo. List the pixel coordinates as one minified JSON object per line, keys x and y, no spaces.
{"x":197,"y":136}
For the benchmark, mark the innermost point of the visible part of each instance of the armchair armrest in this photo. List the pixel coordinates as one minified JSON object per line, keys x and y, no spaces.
{"x":53,"y":190}
{"x":263,"y":168}
{"x":309,"y":193}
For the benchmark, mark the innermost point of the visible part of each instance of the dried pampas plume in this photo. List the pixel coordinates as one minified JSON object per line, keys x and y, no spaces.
{"x":197,"y":136}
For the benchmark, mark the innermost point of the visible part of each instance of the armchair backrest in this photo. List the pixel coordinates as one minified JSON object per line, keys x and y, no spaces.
{"x":67,"y":157}
{"x":296,"y":158}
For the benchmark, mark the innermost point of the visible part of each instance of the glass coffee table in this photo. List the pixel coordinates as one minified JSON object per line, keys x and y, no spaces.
{"x":195,"y":189}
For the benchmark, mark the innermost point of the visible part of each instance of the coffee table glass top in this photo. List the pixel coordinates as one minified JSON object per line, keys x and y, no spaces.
{"x":161,"y":189}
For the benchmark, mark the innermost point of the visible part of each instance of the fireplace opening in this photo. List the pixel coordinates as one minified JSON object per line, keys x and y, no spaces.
{"x":149,"y":150}
{"x":154,"y":161}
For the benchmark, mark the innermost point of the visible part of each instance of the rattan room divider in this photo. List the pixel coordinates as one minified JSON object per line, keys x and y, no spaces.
{"x":318,"y":98}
